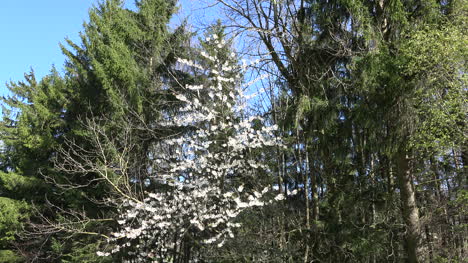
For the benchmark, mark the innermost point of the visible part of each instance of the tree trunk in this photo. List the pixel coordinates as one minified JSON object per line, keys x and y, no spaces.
{"x":305,"y":179}
{"x":409,"y":207}
{"x":429,"y":243}
{"x":315,"y":194}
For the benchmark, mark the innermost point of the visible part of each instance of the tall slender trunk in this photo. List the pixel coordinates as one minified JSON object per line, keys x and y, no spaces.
{"x":314,"y":188}
{"x":429,"y":243}
{"x":306,"y":188}
{"x":429,"y":198}
{"x":373,"y":181}
{"x":390,"y":177}
{"x":464,"y":156}
{"x":436,"y":178}
{"x":313,"y":182}
{"x":373,"y":208}
{"x":409,"y":207}
{"x":305,"y":179}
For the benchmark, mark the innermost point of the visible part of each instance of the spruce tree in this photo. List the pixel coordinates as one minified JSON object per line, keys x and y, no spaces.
{"x":119,"y":72}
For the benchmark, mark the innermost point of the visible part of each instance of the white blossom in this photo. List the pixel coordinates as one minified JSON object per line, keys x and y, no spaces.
{"x":204,"y":201}
{"x":279,"y":197}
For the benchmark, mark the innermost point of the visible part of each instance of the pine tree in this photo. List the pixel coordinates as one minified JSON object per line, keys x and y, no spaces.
{"x":34,"y":118}
{"x":118,"y":71}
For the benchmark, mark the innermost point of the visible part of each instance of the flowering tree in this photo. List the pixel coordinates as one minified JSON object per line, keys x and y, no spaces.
{"x":202,"y":177}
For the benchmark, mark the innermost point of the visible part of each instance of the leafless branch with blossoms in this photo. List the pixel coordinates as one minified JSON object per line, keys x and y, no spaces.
{"x":201,"y":179}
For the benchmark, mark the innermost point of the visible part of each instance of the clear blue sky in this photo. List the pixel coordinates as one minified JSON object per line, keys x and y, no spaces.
{"x":31,"y":31}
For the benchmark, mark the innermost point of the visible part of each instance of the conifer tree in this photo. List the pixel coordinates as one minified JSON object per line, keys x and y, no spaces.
{"x":353,"y":112}
{"x":118,"y":71}
{"x":33,"y":120}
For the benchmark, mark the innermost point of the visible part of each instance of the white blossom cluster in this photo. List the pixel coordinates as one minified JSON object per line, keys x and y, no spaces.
{"x":201,"y":174}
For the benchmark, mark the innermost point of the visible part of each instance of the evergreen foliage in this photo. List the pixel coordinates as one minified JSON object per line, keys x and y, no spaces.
{"x":369,"y":98}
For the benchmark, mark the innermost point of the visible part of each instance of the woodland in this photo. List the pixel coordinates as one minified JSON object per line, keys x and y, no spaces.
{"x":285,"y":131}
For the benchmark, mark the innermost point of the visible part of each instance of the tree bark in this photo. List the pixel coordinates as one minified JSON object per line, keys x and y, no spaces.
{"x":315,"y":189}
{"x":409,"y":207}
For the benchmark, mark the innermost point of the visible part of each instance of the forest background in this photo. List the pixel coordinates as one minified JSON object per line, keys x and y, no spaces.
{"x":147,"y":146}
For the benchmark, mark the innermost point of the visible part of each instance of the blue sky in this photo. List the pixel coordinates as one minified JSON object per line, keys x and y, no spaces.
{"x":31,"y":31}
